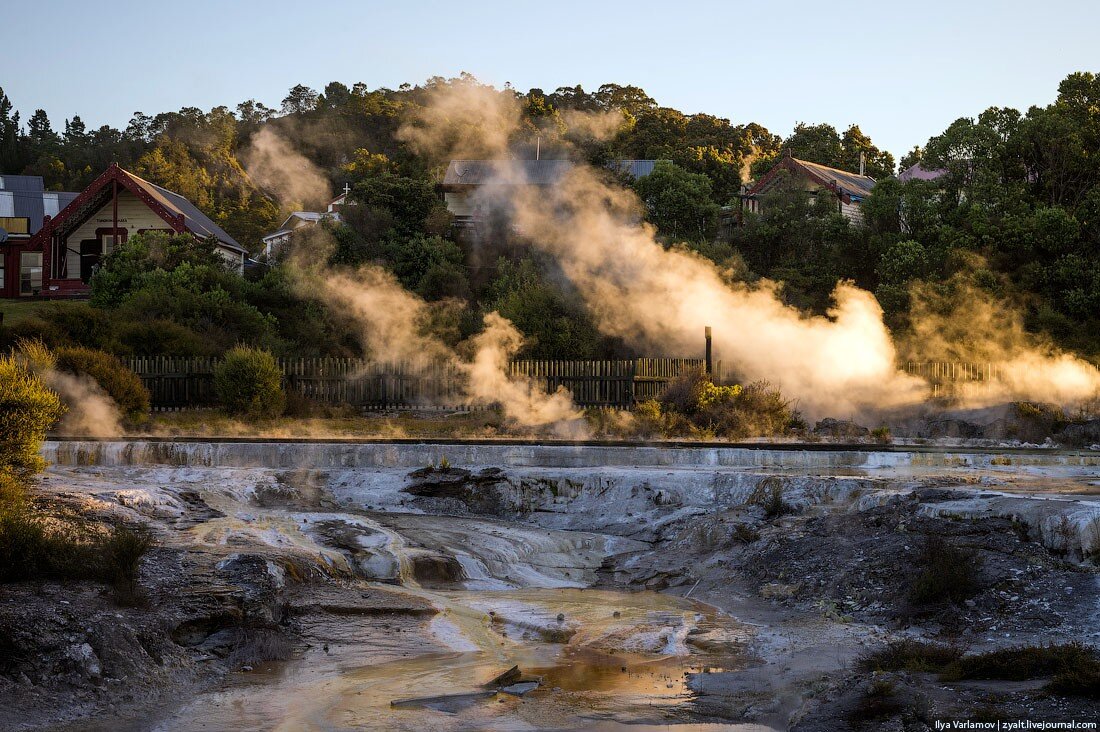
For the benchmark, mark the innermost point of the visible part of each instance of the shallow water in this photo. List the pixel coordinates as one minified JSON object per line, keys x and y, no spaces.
{"x":615,"y":657}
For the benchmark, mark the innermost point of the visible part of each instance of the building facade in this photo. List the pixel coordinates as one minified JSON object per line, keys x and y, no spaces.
{"x":59,"y":256}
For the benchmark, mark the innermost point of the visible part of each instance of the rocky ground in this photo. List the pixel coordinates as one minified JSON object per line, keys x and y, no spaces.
{"x":255,"y":566}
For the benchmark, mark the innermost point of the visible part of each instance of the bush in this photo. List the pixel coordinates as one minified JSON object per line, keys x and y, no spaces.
{"x":27,"y":411}
{"x":1024,"y":662}
{"x":122,"y":554}
{"x":726,"y":411}
{"x":946,"y":574}
{"x":909,"y":655}
{"x":768,"y":494}
{"x":120,"y":383}
{"x":29,"y":550}
{"x":249,"y":383}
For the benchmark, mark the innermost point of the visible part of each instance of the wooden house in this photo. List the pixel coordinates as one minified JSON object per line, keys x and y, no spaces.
{"x":847,"y":189}
{"x":59,"y":258}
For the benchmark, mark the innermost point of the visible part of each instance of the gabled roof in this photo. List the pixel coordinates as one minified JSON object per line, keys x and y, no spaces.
{"x":916,"y":172}
{"x":527,"y":172}
{"x":179,"y":213}
{"x":844,"y":184}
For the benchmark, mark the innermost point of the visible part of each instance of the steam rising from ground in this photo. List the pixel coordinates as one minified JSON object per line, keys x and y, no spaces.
{"x":658,"y":298}
{"x":523,"y":400}
{"x":275,"y":165}
{"x":966,"y":324}
{"x":91,"y":411}
{"x":392,"y":324}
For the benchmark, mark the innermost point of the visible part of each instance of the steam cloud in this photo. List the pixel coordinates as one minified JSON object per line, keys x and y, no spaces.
{"x":274,"y":164}
{"x":392,"y":327}
{"x":658,"y":298}
{"x":91,"y":411}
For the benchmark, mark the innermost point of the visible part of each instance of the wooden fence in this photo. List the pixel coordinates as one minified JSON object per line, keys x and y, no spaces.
{"x":176,"y":382}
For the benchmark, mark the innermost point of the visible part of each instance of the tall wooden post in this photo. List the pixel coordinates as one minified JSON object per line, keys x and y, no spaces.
{"x":709,"y":361}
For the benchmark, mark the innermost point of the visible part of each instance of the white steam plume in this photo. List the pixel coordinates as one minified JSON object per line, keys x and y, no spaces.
{"x":656,"y":298}
{"x":274,"y":164}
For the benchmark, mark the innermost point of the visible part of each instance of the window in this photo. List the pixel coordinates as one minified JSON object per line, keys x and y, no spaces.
{"x":30,"y":272}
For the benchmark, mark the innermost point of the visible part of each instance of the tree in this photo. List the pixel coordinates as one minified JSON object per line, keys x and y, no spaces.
{"x":301,"y":99}
{"x":877,"y":163}
{"x":816,"y":143}
{"x":336,"y":95}
{"x":253,"y":113}
{"x":678,"y":203}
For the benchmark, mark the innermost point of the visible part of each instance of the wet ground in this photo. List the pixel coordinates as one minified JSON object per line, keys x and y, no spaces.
{"x":616,"y":581}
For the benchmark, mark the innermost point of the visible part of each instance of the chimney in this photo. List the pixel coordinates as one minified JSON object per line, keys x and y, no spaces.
{"x":861,"y":163}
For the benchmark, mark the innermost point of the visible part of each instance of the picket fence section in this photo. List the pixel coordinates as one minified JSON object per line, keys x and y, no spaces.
{"x":176,"y":382}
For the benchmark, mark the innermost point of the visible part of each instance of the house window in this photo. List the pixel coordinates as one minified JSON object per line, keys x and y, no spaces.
{"x":30,"y":272}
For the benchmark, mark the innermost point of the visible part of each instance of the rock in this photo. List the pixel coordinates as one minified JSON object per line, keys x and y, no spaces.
{"x":510,"y":676}
{"x":1080,"y":434}
{"x":521,"y":688}
{"x":561,"y":617}
{"x":438,"y":482}
{"x":84,"y":659}
{"x":830,"y":427}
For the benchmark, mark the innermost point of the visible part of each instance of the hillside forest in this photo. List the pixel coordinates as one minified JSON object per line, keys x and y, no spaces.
{"x":1016,"y":217}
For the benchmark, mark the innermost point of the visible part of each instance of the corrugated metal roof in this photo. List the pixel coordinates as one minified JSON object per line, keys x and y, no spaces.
{"x":527,"y":172}
{"x":633,"y":168}
{"x":516,"y":172}
{"x":852,"y":184}
{"x":20,"y":183}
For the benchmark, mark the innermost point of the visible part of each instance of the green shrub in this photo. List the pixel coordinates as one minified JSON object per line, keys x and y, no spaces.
{"x":156,"y":337}
{"x":1023,"y":662}
{"x":120,"y":383}
{"x":32,"y":550}
{"x":80,"y":323}
{"x":726,"y":411}
{"x":909,"y":655}
{"x":946,"y":574}
{"x":249,"y":383}
{"x":27,"y":411}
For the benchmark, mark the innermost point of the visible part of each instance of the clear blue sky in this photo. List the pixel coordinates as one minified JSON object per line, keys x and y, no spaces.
{"x":902,"y":70}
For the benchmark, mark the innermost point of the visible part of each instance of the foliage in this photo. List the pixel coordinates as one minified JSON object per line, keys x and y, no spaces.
{"x":114,"y":377}
{"x":692,"y":403}
{"x":678,"y":203}
{"x":537,"y":299}
{"x":27,"y":411}
{"x":248,"y":383}
{"x":945,"y":574}
{"x":768,"y":494}
{"x":913,"y":656}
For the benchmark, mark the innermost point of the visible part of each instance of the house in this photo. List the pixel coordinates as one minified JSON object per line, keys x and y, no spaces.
{"x":916,"y":172}
{"x":849,"y":189}
{"x":59,"y":258}
{"x":277,"y":239}
{"x":463,"y":178}
{"x":24,"y":204}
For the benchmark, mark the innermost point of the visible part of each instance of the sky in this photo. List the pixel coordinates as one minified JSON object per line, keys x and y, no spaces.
{"x":903,"y":71}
